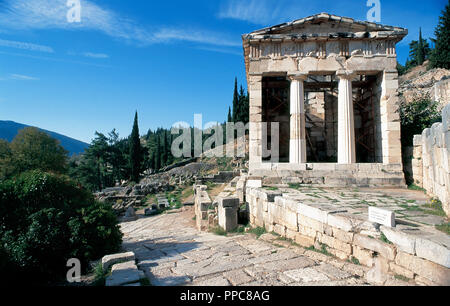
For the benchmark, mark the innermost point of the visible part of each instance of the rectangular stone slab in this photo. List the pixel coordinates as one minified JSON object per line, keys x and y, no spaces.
{"x":382,"y":216}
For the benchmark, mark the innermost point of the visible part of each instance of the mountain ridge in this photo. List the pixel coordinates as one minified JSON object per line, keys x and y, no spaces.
{"x":9,"y":130}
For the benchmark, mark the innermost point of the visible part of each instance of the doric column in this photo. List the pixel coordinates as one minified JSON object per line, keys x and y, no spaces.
{"x":346,"y":120}
{"x":297,"y":150}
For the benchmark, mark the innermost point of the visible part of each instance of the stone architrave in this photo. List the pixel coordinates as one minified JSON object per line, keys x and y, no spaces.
{"x":298,"y":121}
{"x":346,"y":120}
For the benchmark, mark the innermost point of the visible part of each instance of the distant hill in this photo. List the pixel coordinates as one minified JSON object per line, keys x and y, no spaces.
{"x":9,"y":130}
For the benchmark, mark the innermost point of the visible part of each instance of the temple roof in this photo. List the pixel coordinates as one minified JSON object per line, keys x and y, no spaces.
{"x":326,"y":26}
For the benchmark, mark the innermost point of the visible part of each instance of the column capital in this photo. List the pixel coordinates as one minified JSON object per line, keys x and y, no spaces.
{"x":298,"y":76}
{"x":345,"y":74}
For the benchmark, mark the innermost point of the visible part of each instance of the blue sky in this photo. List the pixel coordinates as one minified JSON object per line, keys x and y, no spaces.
{"x":166,"y":59}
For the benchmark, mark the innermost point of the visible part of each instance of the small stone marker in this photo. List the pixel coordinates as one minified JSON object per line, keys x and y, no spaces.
{"x":254,"y":183}
{"x":382,"y":216}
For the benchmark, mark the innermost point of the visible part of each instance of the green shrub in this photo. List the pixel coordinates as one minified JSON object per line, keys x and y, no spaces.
{"x":47,"y":219}
{"x":416,"y":115}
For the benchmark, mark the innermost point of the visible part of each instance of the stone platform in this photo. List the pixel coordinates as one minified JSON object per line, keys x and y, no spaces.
{"x":332,"y":175}
{"x":337,"y":220}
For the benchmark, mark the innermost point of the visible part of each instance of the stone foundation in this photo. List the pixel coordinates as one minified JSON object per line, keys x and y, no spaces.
{"x":431,"y":160}
{"x":349,"y":237}
{"x":333,"y":175}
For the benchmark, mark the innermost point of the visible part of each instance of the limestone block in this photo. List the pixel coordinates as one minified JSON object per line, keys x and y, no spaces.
{"x":396,"y":269}
{"x":336,"y":244}
{"x":340,"y":222}
{"x":383,"y":249}
{"x":254,"y":183}
{"x":308,"y":222}
{"x":313,"y":213}
{"x":109,"y":260}
{"x":304,"y":241}
{"x":122,"y":274}
{"x":307,"y":231}
{"x":382,"y":216}
{"x":343,"y":235}
{"x":228,"y":213}
{"x":365,"y":257}
{"x":427,"y":269}
{"x":433,"y":251}
{"x":378,"y":275}
{"x":404,"y":242}
{"x":228,"y":202}
{"x":417,"y":141}
{"x":290,"y":234}
{"x":446,"y":118}
{"x":282,"y":215}
{"x":280,"y":230}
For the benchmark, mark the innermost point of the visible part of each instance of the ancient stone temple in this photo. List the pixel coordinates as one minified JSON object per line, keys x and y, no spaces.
{"x":327,"y":85}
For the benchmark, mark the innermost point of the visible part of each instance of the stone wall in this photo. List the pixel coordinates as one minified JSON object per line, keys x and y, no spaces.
{"x":349,"y":237}
{"x":431,"y":160}
{"x":442,"y":91}
{"x":204,"y":210}
{"x":222,"y":211}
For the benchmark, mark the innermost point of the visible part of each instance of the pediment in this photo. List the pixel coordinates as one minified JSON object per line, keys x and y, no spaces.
{"x":326,"y":26}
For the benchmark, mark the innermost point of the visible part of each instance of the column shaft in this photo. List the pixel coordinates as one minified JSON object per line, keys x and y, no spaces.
{"x":298,"y":123}
{"x":346,"y":122}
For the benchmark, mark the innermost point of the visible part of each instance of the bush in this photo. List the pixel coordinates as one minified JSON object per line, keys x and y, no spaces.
{"x":47,"y":219}
{"x":417,"y":115}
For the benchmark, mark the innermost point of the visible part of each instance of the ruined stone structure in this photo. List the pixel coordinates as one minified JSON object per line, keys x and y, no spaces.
{"x":331,"y":85}
{"x":431,"y":160}
{"x":328,"y":221}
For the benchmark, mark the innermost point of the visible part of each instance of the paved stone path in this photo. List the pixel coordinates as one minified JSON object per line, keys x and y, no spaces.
{"x":172,"y":252}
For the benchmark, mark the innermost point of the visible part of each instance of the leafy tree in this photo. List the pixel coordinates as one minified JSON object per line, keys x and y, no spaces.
{"x":416,"y":116}
{"x":104,"y":163}
{"x":33,"y":149}
{"x":440,"y":57}
{"x":6,"y":167}
{"x":135,"y":151}
{"x":46,"y":220}
{"x":401,"y":69}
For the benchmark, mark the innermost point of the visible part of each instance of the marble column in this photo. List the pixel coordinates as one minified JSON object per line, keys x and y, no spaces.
{"x":297,"y":150}
{"x":346,"y":120}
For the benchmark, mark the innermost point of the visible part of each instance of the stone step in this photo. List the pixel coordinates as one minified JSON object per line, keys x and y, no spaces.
{"x":123,"y":274}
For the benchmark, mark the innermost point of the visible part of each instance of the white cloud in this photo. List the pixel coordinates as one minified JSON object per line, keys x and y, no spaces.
{"x":221,"y":50}
{"x":52,"y":14}
{"x":254,"y":11}
{"x":95,"y":55}
{"x":205,"y":37}
{"x":19,"y":77}
{"x":265,"y":12}
{"x":25,"y":46}
{"x":54,"y":59}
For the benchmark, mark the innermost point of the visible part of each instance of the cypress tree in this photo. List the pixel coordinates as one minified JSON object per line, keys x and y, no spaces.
{"x":230,"y":118}
{"x":165,"y":151}
{"x":440,"y":57}
{"x":135,"y":151}
{"x":158,"y":153}
{"x":420,"y":50}
{"x":235,"y":101}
